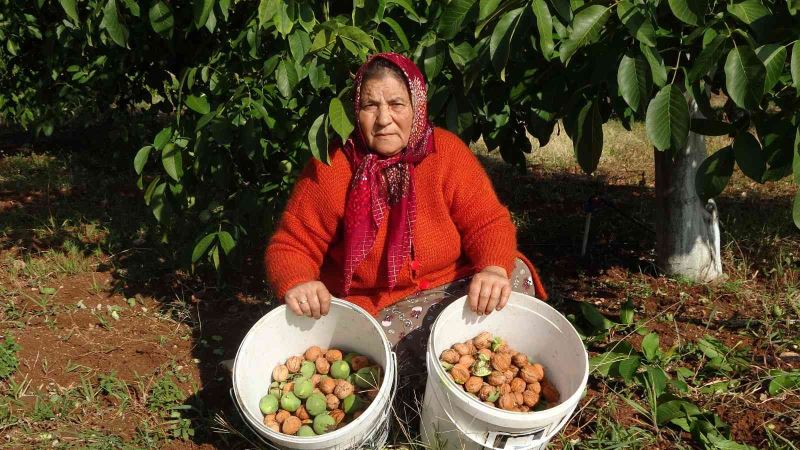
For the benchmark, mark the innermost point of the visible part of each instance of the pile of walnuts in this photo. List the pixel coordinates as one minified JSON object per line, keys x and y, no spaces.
{"x":488,"y":369}
{"x":319,"y":391}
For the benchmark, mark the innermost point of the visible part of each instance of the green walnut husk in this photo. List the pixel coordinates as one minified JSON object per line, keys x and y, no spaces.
{"x":323,"y":423}
{"x":306,"y":431}
{"x":303,"y":388}
{"x":268,"y":404}
{"x":351,"y":404}
{"x":316,"y":404}
{"x":308,"y":369}
{"x":340,"y":370}
{"x":481,"y":368}
{"x":290,"y":402}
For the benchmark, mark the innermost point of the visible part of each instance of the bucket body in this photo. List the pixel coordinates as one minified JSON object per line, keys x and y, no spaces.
{"x":451,"y":419}
{"x":281,"y":334}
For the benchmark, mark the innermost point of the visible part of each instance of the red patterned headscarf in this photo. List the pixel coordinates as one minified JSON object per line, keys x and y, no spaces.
{"x":371,"y":198}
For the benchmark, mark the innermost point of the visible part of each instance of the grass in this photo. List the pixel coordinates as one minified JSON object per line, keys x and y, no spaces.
{"x":72,"y":239}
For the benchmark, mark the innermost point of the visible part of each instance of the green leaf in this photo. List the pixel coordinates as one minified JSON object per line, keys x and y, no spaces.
{"x":656,"y":65}
{"x":707,"y":58}
{"x":162,"y":138}
{"x":198,"y":103}
{"x":689,"y":11}
{"x":47,"y":290}
{"x":796,"y":157}
{"x":286,"y":77}
{"x":773,"y":56}
{"x":157,"y":201}
{"x":69,"y":8}
{"x":667,"y":120}
{"x":284,"y":17}
{"x":633,"y":78}
{"x":713,"y":174}
{"x":544,"y":23}
{"x":161,"y":18}
{"x":453,"y":16}
{"x":656,"y":380}
{"x":357,"y":36}
{"x":748,"y":11}
{"x":749,"y":156}
{"x":202,"y":246}
{"x":708,"y":127}
{"x":340,"y":121}
{"x":638,"y":25}
{"x":226,"y":241}
{"x":586,"y":27}
{"x":744,"y":77}
{"x":593,"y":316}
{"x":202,"y":9}
{"x":141,"y":158}
{"x":433,"y":59}
{"x":500,"y":42}
{"x":299,"y":43}
{"x":172,"y":160}
{"x":398,"y":31}
{"x":266,"y":11}
{"x":116,"y":30}
{"x":318,"y":139}
{"x":795,"y":66}
{"x":650,"y":347}
{"x":409,"y":8}
{"x":796,"y":210}
{"x":588,"y":144}
{"x":626,"y":313}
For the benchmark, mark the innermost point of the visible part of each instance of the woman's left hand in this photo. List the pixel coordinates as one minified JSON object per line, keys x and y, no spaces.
{"x":489,"y":290}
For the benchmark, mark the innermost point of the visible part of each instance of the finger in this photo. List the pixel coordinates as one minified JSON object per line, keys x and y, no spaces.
{"x":504,"y":296}
{"x":291,"y":302}
{"x":324,"y":300}
{"x":474,"y":293}
{"x":313,"y":302}
{"x":483,"y":300}
{"x":302,"y":299}
{"x":494,"y":297}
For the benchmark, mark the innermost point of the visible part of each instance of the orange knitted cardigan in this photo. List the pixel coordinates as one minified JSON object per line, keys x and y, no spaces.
{"x":461,"y":228}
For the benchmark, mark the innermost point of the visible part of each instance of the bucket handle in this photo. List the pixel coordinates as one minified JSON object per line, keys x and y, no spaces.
{"x":483,"y":445}
{"x":384,"y":417}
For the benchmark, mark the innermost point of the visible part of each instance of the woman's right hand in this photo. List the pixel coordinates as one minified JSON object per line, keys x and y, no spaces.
{"x":309,"y":299}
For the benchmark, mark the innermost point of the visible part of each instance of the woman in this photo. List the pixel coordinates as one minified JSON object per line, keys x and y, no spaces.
{"x":400,"y":220}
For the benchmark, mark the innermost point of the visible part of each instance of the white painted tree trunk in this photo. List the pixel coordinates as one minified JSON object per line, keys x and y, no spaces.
{"x":687,"y":231}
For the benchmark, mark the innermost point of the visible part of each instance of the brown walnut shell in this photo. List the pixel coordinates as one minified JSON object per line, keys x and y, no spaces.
{"x":331,"y":402}
{"x":450,"y":356}
{"x":530,"y":398}
{"x":483,"y":340}
{"x":280,"y":373}
{"x":343,"y":389}
{"x":501,"y":361}
{"x":294,"y":363}
{"x":333,"y":355}
{"x":281,"y":415}
{"x":520,"y":360}
{"x":473,"y":384}
{"x":507,"y":402}
{"x":313,"y":353}
{"x":291,"y":425}
{"x":518,"y":385}
{"x":460,"y":373}
{"x":496,"y":378}
{"x":323,"y":366}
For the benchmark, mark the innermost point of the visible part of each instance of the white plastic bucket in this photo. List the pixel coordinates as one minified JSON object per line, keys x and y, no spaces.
{"x":281,"y":334}
{"x":451,"y":419}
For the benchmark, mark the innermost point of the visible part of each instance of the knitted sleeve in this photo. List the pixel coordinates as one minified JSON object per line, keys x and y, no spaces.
{"x":307,"y":228}
{"x":488,"y":236}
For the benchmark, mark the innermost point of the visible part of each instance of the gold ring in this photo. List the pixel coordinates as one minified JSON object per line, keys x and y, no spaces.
{"x":302,"y":302}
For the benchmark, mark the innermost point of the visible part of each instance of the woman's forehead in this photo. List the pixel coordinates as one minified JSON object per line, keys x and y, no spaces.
{"x":387,"y":86}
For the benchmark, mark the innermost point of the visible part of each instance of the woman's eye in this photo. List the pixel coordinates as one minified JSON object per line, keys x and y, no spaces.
{"x":369,"y":107}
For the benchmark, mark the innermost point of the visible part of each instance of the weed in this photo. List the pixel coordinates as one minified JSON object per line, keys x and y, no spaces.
{"x":164,"y":393}
{"x":8,"y":356}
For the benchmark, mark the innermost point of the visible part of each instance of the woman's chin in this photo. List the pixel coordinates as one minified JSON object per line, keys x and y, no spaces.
{"x":386,"y":150}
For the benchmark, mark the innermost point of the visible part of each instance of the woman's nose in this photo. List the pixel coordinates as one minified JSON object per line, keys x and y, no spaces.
{"x":384,"y":118}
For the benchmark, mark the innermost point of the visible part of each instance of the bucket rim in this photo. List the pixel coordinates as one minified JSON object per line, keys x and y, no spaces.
{"x":502,"y":414}
{"x":372,"y":409}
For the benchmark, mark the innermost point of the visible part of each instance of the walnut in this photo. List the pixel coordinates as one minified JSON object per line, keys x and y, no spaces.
{"x":524,"y":408}
{"x":518,"y":385}
{"x":293,"y":364}
{"x":520,"y":360}
{"x":496,"y":378}
{"x":485,"y":391}
{"x":288,"y":387}
{"x":501,"y":361}
{"x":271,"y":423}
{"x":549,"y":392}
{"x":291,"y":425}
{"x":323,"y":366}
{"x":301,"y":413}
{"x":315,"y":379}
{"x":514,"y":370}
{"x":280,"y":373}
{"x":338,"y":415}
{"x":331,"y":402}
{"x":358,"y":362}
{"x":530,"y":398}
{"x":466,"y":360}
{"x":501,"y":348}
{"x":531,"y":373}
{"x":460,"y":373}
{"x":534,"y":387}
{"x":450,"y":356}
{"x":327,"y":385}
{"x":343,"y":389}
{"x":333,"y":355}
{"x":507,"y":402}
{"x":509,"y":374}
{"x":470,"y":347}
{"x":462,"y":349}
{"x":505,"y":388}
{"x":313,"y":353}
{"x":473,"y":384}
{"x":487,"y":352}
{"x":281,"y":415}
{"x":483,"y":340}
{"x":520,"y":398}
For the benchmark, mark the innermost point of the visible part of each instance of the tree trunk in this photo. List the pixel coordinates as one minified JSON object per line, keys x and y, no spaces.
{"x":687,"y":231}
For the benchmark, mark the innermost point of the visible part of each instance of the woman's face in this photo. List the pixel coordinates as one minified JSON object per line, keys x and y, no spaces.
{"x":386,"y":114}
